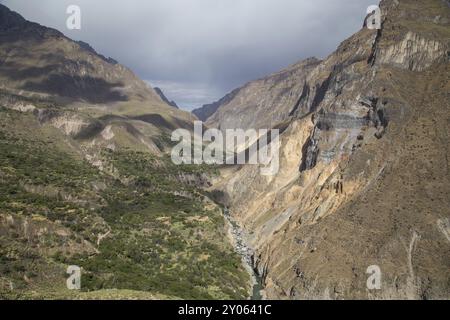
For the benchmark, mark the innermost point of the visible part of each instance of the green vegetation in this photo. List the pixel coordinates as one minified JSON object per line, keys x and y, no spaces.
{"x":146,"y":228}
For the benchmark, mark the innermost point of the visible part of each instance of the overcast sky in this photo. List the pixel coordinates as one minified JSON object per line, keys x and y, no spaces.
{"x":198,"y":50}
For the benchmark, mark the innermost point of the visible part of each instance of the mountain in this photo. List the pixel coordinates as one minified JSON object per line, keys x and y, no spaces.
{"x":265,"y":102}
{"x":164,"y":98}
{"x":364,"y":165}
{"x":41,"y":68}
{"x":208,"y":110}
{"x":52,"y":66}
{"x":86,"y":179}
{"x":40,"y":62}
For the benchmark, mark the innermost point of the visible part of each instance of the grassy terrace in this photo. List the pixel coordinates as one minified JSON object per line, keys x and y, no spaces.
{"x":160,"y":235}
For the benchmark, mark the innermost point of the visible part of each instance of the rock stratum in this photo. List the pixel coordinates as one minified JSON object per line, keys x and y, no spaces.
{"x":364,"y":164}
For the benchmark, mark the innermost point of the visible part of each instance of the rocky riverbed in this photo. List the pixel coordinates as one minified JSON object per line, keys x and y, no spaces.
{"x":238,"y":237}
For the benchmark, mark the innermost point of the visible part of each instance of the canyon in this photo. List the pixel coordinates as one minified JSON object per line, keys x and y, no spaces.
{"x":364,"y":164}
{"x":86,"y":176}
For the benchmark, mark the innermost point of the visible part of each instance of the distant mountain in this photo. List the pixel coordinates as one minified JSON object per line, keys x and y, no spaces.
{"x":262,"y":103}
{"x":208,"y":110}
{"x":164,"y":98}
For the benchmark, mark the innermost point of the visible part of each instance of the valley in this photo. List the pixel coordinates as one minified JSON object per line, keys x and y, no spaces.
{"x":240,"y":242}
{"x":87,"y":175}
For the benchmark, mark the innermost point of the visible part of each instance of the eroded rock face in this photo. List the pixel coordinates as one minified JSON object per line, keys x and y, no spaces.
{"x":364,"y":171}
{"x":73,"y":125}
{"x":414,"y":52}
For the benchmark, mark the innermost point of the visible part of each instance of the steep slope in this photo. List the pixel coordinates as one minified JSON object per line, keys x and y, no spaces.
{"x":42,"y":61}
{"x":164,"y":98}
{"x":364,"y":170}
{"x":139,"y":223}
{"x":85,"y":179}
{"x":208,"y":110}
{"x":41,"y":68}
{"x":262,"y":103}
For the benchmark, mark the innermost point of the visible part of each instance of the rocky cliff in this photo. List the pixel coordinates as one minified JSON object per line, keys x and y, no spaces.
{"x":364,"y":169}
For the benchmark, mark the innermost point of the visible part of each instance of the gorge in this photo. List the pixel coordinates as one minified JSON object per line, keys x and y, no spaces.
{"x":363,"y":164}
{"x":87,"y":177}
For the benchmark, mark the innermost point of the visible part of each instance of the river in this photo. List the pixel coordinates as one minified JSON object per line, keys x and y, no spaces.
{"x":242,"y":248}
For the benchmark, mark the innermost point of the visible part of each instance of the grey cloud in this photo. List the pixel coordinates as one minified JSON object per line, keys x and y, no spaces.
{"x":215,"y":44}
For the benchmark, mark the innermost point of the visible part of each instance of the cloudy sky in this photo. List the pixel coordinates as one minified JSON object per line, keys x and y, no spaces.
{"x":198,"y":50}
